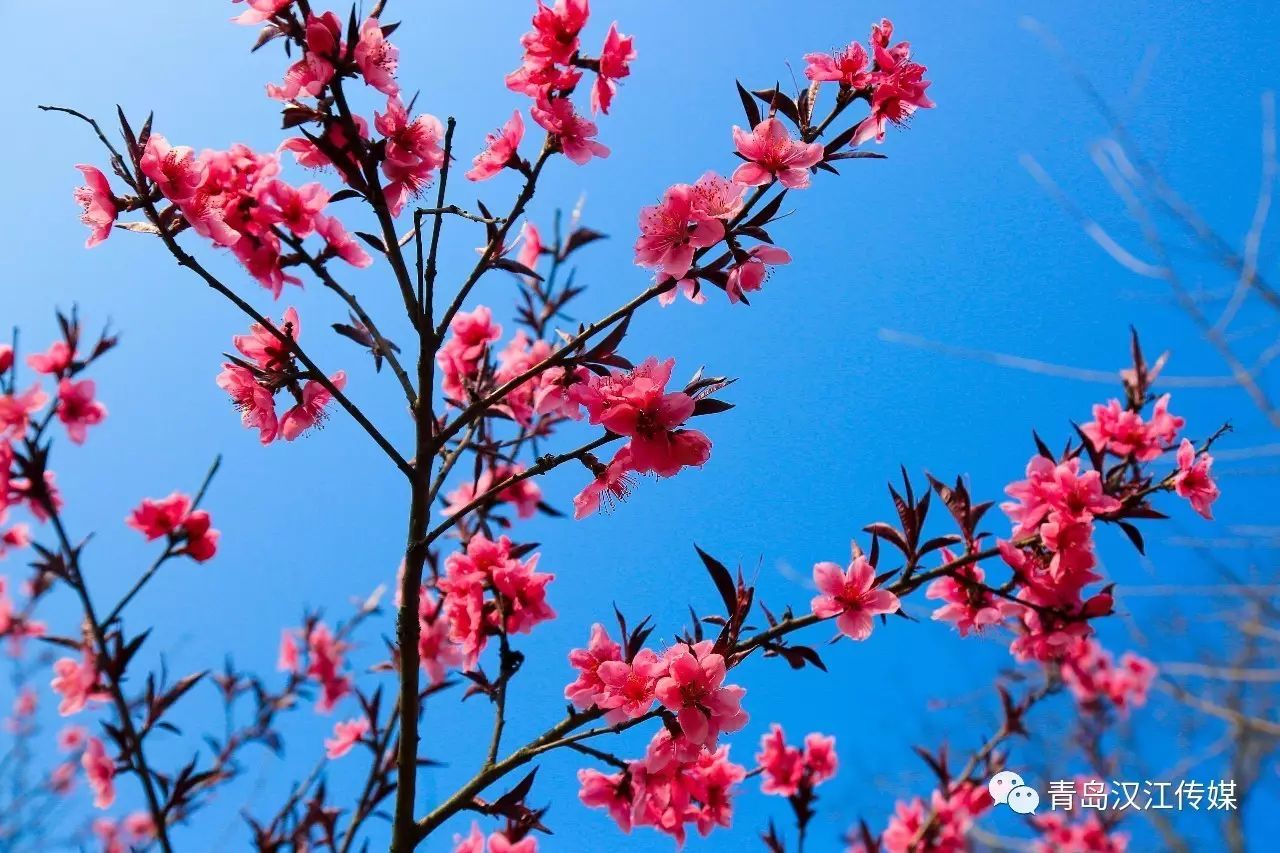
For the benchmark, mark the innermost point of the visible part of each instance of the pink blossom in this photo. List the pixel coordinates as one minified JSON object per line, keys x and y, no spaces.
{"x":1193,"y":480}
{"x":524,"y":594}
{"x":773,"y":155}
{"x":1122,"y":431}
{"x":71,"y":738}
{"x":100,"y":772}
{"x":176,"y":172}
{"x":377,"y":58}
{"x":77,"y":409}
{"x":260,"y":11}
{"x":851,"y":596}
{"x":140,"y":826}
{"x":636,"y":404}
{"x":898,"y":90}
{"x":413,"y":152}
{"x":524,"y":495}
{"x":298,"y":208}
{"x":546,"y":393}
{"x":288,"y":659}
{"x":437,"y":651}
{"x":485,"y":565}
{"x":346,"y":734}
{"x":531,"y":247}
{"x":820,"y":757}
{"x":62,"y":778}
{"x":472,"y":842}
{"x":952,"y":817}
{"x":1088,"y":835}
{"x":575,"y":134}
{"x":264,"y":348}
{"x":554,"y":37}
{"x":694,"y":688}
{"x":200,"y":537}
{"x":310,"y":74}
{"x":609,"y":792}
{"x":615,"y":63}
{"x":18,"y":536}
{"x":717,"y":196}
{"x":256,"y":405}
{"x":6,"y":358}
{"x":628,"y":690}
{"x":310,"y":411}
{"x":671,"y":231}
{"x":967,"y":605}
{"x":501,"y":149}
{"x":612,"y":483}
{"x":340,"y":242}
{"x":324,"y":665}
{"x":848,"y":67}
{"x":1091,"y":674}
{"x":77,"y":683}
{"x":99,"y":205}
{"x":1051,"y":486}
{"x":16,"y":410}
{"x":156,"y":517}
{"x":540,"y":81}
{"x":748,"y":275}
{"x":671,"y":791}
{"x":783,"y":765}
{"x":587,"y":688}
{"x":463,"y":353}
{"x":334,"y":134}
{"x":500,"y":843}
{"x":54,"y":361}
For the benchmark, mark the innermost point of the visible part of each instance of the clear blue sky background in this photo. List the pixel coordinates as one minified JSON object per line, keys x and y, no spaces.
{"x":949,"y":239}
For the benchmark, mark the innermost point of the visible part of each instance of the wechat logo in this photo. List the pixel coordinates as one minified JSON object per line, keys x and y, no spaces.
{"x":1008,"y":788}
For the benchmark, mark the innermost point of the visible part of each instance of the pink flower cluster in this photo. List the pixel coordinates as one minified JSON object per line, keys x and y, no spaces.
{"x":549,"y":72}
{"x":132,"y":833}
{"x":413,"y":152}
{"x":76,"y":681}
{"x":1193,"y":479}
{"x":954,"y":813}
{"x":100,"y":772}
{"x":1122,"y":432}
{"x":236,"y":199}
{"x":1091,"y":674}
{"x":692,"y":218}
{"x":499,"y":842}
{"x":346,"y":734}
{"x":636,"y":404}
{"x":487,"y":590}
{"x":969,"y":605}
{"x":1054,"y":513}
{"x":852,"y":596}
{"x":1084,"y":836}
{"x":524,"y":496}
{"x":631,"y":403}
{"x":667,"y":790}
{"x":893,"y":84}
{"x":788,"y":769}
{"x":464,"y":354}
{"x":1059,"y":503}
{"x":686,"y":679}
{"x":267,"y":369}
{"x":174,"y":517}
{"x":15,"y":624}
{"x":325,"y":656}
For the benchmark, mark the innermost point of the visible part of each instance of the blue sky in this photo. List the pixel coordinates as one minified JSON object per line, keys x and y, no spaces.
{"x":948,"y":239}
